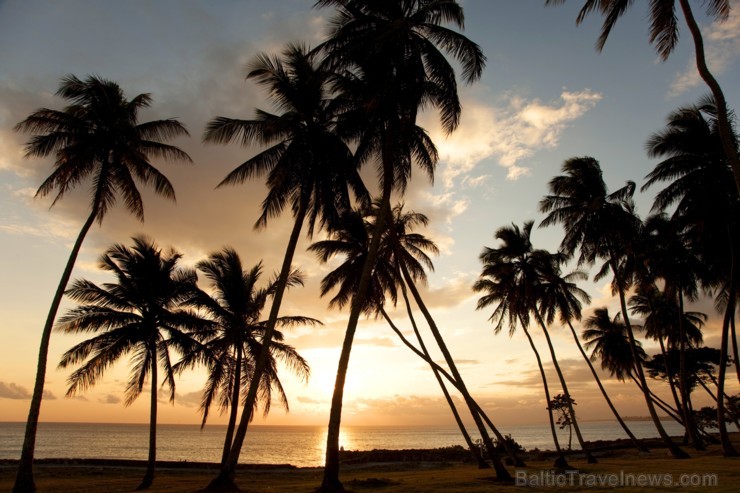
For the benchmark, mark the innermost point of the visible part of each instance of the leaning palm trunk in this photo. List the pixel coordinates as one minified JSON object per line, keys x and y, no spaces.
{"x":675,"y":450}
{"x":225,"y":479}
{"x":24,"y":478}
{"x":735,"y":355}
{"x":501,"y":472}
{"x":152,"y":460}
{"x":669,"y":372}
{"x":672,"y":412}
{"x":482,"y":464}
{"x":621,"y":422}
{"x":727,"y":449}
{"x":330,"y":481}
{"x":723,"y":120}
{"x":574,"y":425}
{"x":560,"y":462}
{"x":688,"y":413}
{"x":236,"y":391}
{"x":476,"y":408}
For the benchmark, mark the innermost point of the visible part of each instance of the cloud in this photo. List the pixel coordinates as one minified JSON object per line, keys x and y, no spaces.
{"x":14,"y":391}
{"x":721,"y":46}
{"x":460,"y":362}
{"x":110,"y":399}
{"x":507,"y":134}
{"x":309,"y":400}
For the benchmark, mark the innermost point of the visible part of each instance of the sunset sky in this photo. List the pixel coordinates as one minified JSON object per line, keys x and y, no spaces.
{"x":546,"y":96}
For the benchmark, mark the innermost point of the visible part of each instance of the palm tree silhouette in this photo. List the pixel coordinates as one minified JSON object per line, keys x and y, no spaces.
{"x":670,"y":258}
{"x":611,"y":345}
{"x":391,"y":52}
{"x":664,"y":35}
{"x":98,"y":137}
{"x":400,"y":250}
{"x":232,"y":343}
{"x":138,"y":315}
{"x":307,"y":165}
{"x":601,"y":226}
{"x":701,"y":192}
{"x":562,"y":298}
{"x":513,"y":277}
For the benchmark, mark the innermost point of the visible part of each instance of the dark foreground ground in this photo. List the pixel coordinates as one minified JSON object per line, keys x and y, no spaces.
{"x":435,"y":471}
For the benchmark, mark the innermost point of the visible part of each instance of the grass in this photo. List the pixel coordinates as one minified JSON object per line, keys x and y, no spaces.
{"x":722,"y":473}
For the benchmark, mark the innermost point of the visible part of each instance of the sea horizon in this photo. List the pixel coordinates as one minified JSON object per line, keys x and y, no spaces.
{"x":298,"y":445}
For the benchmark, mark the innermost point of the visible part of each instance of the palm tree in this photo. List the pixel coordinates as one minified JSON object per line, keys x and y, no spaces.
{"x":231,"y":345}
{"x":392,"y":49}
{"x":601,"y":226}
{"x":665,"y":321}
{"x":705,"y":204}
{"x":97,"y":137}
{"x":137,"y":315}
{"x":513,"y":276}
{"x":562,"y":297}
{"x":399,"y":249}
{"x":611,"y":345}
{"x":307,"y":166}
{"x":664,"y":35}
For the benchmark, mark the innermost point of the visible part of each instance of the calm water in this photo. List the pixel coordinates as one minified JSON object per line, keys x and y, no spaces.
{"x":298,"y":445}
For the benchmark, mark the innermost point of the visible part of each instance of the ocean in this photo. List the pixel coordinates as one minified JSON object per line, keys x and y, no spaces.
{"x":301,"y":446}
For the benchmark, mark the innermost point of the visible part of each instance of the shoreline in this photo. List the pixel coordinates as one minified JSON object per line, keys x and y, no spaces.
{"x":410,"y":472}
{"x":452,"y":453}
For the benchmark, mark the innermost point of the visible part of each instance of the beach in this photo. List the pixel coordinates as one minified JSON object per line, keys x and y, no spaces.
{"x":411,"y":471}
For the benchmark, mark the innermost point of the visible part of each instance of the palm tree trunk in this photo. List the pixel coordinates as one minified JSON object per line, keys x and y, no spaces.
{"x":330,"y":481}
{"x":675,"y":450}
{"x":482,"y":464}
{"x":501,"y":473}
{"x":236,"y":391}
{"x":639,"y":446}
{"x":560,"y":462}
{"x":151,"y":461}
{"x":24,"y":478}
{"x":509,"y":450}
{"x":723,"y":120}
{"x":727,"y":449}
{"x":663,"y":405}
{"x":669,"y":372}
{"x":225,"y":479}
{"x":688,"y":413}
{"x":733,"y":416}
{"x":735,"y":356}
{"x":574,"y":426}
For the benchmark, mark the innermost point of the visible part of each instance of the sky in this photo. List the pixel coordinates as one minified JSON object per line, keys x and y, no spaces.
{"x":546,"y":96}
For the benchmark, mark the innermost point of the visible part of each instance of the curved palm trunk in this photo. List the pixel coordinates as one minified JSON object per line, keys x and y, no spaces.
{"x":330,"y":481}
{"x":613,"y":409}
{"x":727,"y":449}
{"x":669,"y":372}
{"x":560,"y":462}
{"x":482,"y":464}
{"x":723,"y":120}
{"x":236,"y":391}
{"x":509,"y":450}
{"x":151,"y":461}
{"x":675,"y":450}
{"x":663,"y":405}
{"x":574,"y":426}
{"x":733,"y":337}
{"x":714,"y":397}
{"x":225,"y":479}
{"x":501,"y":473}
{"x":686,"y":408}
{"x":24,"y":478}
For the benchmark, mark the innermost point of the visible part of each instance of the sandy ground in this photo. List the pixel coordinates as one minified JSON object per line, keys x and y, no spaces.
{"x":623,"y":468}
